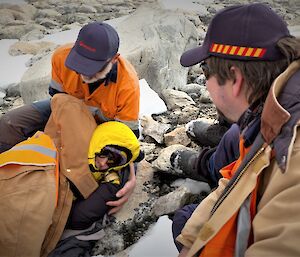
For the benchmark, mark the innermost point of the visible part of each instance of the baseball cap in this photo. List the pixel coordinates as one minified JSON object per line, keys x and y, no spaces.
{"x":96,"y":43}
{"x":242,"y":32}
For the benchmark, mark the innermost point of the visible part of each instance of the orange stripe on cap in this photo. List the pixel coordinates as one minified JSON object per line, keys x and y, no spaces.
{"x":238,"y":50}
{"x":249,"y":51}
{"x":220,"y":49}
{"x":214,"y":47}
{"x":233,"y":49}
{"x":241,"y":51}
{"x":225,"y":49}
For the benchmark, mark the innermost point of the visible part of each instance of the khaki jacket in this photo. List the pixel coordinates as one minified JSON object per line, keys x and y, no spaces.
{"x":70,"y":126}
{"x":27,"y":200}
{"x":276,"y":226}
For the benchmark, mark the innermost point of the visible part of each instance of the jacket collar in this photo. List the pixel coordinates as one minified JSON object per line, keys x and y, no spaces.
{"x":112,"y":75}
{"x":279,"y":115}
{"x":274,"y":116}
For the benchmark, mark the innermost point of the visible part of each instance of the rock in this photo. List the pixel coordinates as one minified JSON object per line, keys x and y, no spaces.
{"x":2,"y":95}
{"x":24,"y":12}
{"x":177,"y":136}
{"x":192,"y":88}
{"x":17,"y":23}
{"x":47,"y":13}
{"x":112,"y":242}
{"x":41,"y":4}
{"x":81,"y":18}
{"x":162,"y":163}
{"x":17,"y":31}
{"x":9,"y":103}
{"x":144,"y":174}
{"x":194,"y":18}
{"x":27,"y":9}
{"x":22,"y":47}
{"x":201,"y":80}
{"x":6,"y":16}
{"x":154,"y":46}
{"x":34,"y":34}
{"x":149,"y":151}
{"x":176,"y":99}
{"x":86,"y":9}
{"x":295,"y":30}
{"x":44,"y":52}
{"x":153,"y":128}
{"x":187,"y":113}
{"x":48,"y":23}
{"x":113,"y":2}
{"x":35,"y":81}
{"x":186,"y":193}
{"x":98,"y":7}
{"x":124,"y":12}
{"x":194,"y":186}
{"x":205,"y":96}
{"x":171,"y":202}
{"x":13,"y":90}
{"x":67,"y":8}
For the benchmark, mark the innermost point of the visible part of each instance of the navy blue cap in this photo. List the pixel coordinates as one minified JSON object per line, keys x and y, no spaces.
{"x":96,"y":43}
{"x":241,"y":32}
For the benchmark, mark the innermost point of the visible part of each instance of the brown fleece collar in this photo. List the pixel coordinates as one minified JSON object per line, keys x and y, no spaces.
{"x":274,"y":116}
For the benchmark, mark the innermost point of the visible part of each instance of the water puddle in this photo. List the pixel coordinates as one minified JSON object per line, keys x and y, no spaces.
{"x":157,"y":242}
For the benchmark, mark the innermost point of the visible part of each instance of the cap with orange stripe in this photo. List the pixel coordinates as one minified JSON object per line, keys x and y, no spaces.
{"x":242,"y":32}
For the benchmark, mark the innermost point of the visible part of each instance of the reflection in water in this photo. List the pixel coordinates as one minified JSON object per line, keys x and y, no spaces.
{"x":157,"y":242}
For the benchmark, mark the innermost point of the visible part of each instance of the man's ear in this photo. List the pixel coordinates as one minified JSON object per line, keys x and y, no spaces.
{"x":238,"y":81}
{"x":115,"y":58}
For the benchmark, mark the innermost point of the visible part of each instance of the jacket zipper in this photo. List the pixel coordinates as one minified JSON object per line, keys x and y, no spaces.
{"x":218,"y":203}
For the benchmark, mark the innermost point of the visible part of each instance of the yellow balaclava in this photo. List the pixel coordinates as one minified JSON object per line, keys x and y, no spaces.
{"x":114,"y":136}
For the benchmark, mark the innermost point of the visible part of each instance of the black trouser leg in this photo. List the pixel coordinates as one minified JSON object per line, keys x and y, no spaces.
{"x":85,"y":212}
{"x":19,"y":124}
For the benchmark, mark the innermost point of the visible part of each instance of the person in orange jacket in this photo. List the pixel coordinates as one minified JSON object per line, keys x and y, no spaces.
{"x":252,"y":68}
{"x":91,"y":70}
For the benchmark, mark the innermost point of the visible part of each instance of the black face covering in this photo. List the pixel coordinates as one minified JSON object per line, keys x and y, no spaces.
{"x":93,"y":86}
{"x":114,"y":159}
{"x":117,"y":155}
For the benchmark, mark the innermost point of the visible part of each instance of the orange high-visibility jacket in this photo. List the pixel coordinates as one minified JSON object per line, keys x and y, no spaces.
{"x":39,"y":150}
{"x":117,"y":100}
{"x":28,"y":185}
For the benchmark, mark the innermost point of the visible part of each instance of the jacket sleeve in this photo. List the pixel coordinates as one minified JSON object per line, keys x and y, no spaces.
{"x":200,"y":216}
{"x":71,"y":126}
{"x":128,"y":107}
{"x":276,"y":226}
{"x":211,"y":160}
{"x":128,"y":98}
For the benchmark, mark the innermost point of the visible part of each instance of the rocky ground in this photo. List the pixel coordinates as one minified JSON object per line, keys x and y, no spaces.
{"x":161,"y":190}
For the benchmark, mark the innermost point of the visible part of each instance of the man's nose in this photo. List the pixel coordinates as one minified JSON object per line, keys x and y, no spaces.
{"x":102,"y":161}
